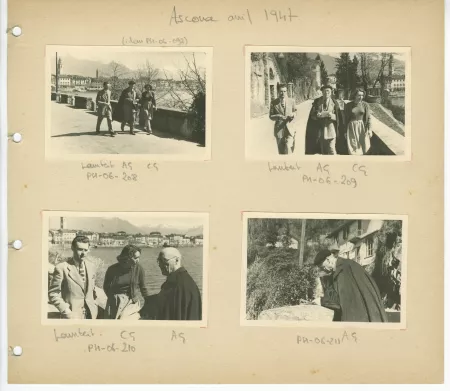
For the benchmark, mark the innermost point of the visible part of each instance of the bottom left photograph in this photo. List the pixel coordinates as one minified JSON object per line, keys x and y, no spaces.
{"x":124,"y":266}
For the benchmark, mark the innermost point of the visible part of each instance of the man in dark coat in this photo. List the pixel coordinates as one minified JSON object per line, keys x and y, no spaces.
{"x":127,"y":107}
{"x":180,"y":297}
{"x":358,"y":296}
{"x":324,"y":124}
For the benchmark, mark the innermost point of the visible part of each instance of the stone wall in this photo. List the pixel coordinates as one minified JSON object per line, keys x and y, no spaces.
{"x":298,"y":313}
{"x":173,"y":121}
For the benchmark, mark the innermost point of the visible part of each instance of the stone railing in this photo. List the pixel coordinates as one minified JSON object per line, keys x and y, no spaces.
{"x":387,"y":141}
{"x":165,"y":119}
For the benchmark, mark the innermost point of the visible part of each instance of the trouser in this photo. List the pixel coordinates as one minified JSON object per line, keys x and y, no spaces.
{"x":328,"y":146}
{"x":100,"y":120}
{"x":286,"y":145}
{"x":131,"y":124}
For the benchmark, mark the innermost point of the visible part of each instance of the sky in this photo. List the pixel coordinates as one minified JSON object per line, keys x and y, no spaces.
{"x":131,"y":57}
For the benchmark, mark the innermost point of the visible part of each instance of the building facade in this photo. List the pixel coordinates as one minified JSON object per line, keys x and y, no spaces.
{"x":357,"y":240}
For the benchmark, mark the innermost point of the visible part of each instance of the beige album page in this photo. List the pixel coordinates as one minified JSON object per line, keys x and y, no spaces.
{"x":226,"y":192}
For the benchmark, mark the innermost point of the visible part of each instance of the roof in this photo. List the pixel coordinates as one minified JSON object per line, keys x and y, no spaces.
{"x":339,"y":228}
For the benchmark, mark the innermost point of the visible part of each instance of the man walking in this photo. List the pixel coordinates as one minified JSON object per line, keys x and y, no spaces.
{"x":282,"y":111}
{"x":323,"y":124}
{"x":127,"y":104}
{"x":104,"y":109}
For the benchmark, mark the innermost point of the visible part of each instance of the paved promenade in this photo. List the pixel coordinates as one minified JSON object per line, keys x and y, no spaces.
{"x":261,"y":144}
{"x":73,"y":132}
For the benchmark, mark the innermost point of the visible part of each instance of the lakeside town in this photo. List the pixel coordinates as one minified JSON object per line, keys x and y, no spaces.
{"x":63,"y":237}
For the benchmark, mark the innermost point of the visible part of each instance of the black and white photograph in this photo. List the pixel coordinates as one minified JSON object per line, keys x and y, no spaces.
{"x":125,"y":266}
{"x":343,"y":102}
{"x":324,"y":270}
{"x":139,"y":101}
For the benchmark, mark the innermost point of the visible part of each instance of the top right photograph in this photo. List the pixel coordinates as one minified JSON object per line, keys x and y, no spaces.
{"x":341,"y":102}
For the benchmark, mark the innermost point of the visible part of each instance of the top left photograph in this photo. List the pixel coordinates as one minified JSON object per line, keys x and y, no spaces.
{"x":119,"y":101}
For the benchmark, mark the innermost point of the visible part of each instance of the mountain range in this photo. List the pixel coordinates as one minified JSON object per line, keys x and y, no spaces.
{"x":116,"y":224}
{"x":88,"y":68}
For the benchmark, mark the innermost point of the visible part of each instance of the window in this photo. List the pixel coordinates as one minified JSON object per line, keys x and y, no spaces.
{"x":369,"y":245}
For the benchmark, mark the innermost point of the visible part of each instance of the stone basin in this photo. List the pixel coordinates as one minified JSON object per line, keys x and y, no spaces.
{"x":308,"y":313}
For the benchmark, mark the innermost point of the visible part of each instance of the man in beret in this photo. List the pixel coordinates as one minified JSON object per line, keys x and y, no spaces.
{"x":127,"y":106}
{"x":358,"y":296}
{"x":323,"y":125}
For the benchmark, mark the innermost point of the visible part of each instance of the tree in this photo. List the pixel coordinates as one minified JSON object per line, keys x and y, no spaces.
{"x":115,"y":74}
{"x":145,"y":74}
{"x":344,"y":71}
{"x":190,"y":95}
{"x":381,"y":77}
{"x":323,"y":73}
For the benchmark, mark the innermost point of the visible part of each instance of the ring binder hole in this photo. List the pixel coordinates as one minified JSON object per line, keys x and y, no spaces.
{"x":17,"y":137}
{"x":16,"y":31}
{"x":17,"y":244}
{"x":17,"y":350}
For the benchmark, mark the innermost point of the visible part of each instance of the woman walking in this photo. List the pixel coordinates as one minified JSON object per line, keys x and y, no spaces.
{"x":357,"y":115}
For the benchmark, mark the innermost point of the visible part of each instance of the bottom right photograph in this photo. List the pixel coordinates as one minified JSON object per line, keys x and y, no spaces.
{"x":301,"y":269}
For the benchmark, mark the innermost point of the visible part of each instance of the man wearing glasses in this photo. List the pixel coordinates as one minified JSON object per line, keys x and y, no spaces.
{"x":180,"y":297}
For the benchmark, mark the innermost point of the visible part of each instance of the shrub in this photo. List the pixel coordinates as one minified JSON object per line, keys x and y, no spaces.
{"x":198,"y":110}
{"x":274,"y":279}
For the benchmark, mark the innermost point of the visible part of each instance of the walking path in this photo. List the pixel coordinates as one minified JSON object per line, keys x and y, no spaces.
{"x":73,"y":132}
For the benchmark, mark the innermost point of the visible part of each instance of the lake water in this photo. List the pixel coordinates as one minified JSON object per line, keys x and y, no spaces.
{"x":192,"y":260}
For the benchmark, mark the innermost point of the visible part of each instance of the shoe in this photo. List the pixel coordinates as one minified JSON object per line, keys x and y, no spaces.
{"x":132,"y":132}
{"x":149,"y":132}
{"x":113,"y":134}
{"x":97,"y":131}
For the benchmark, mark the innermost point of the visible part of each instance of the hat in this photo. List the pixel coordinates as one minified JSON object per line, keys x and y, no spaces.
{"x":321,"y":256}
{"x":131,"y":82}
{"x":148,"y":86}
{"x":334,"y":247}
{"x":326,"y":86}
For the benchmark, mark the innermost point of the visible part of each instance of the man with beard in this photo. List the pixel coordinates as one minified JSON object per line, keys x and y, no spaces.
{"x":180,"y":297}
{"x":72,"y":289}
{"x":358,"y":296}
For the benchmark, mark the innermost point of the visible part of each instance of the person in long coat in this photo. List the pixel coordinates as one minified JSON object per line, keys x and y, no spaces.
{"x":180,"y":298}
{"x":358,"y":296}
{"x":324,"y":123}
{"x":127,"y":107}
{"x":148,"y":105}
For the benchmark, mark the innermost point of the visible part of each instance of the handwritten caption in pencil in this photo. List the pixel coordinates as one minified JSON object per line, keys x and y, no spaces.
{"x":323,"y":173}
{"x":125,"y":342}
{"x":249,"y":16}
{"x":324,"y":340}
{"x":109,"y":171}
{"x":176,"y":41}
